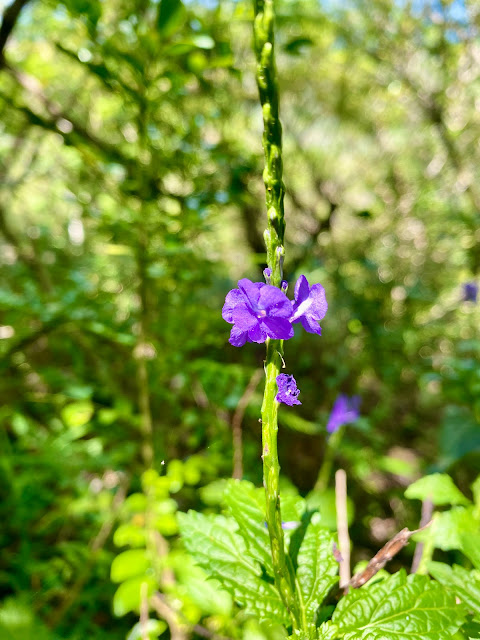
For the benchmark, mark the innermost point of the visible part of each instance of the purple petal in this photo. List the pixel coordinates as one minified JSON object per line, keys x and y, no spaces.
{"x":278,"y":328}
{"x":344,"y":410}
{"x":275,"y":302}
{"x":309,"y":324}
{"x":302,"y":290}
{"x":234,"y":297}
{"x":319,"y":302}
{"x":251,"y":290}
{"x":244,"y":318}
{"x":257,"y":333}
{"x":287,"y":389}
{"x":237,"y":337}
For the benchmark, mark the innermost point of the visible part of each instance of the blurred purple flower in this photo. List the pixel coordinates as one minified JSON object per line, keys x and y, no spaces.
{"x":310,"y":305}
{"x":287,"y":526}
{"x":470,"y":291}
{"x":287,"y":390}
{"x":344,"y":410}
{"x":257,"y":311}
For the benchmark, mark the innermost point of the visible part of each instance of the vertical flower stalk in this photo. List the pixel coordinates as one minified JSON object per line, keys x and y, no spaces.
{"x":274,"y":238}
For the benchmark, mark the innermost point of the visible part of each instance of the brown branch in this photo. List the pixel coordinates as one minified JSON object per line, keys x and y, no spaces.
{"x":342,"y":527}
{"x":237,"y":423}
{"x":9,"y":20}
{"x":386,"y":553}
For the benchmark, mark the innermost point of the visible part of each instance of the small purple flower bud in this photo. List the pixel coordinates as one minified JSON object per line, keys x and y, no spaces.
{"x":287,"y":390}
{"x":344,"y":410}
{"x":470,"y":291}
{"x":267,"y":274}
{"x":284,"y":286}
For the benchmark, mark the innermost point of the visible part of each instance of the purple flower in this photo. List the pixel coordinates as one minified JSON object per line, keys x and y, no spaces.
{"x":287,"y":390}
{"x":470,"y":291}
{"x":310,"y":305}
{"x":287,"y":526}
{"x":267,"y":274}
{"x":257,"y":311}
{"x":344,"y":410}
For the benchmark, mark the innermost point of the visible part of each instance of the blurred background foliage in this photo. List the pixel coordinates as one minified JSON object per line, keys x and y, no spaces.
{"x":131,"y":201}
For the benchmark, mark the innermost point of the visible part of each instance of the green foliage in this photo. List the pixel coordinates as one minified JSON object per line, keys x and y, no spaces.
{"x":316,"y":567}
{"x":397,"y":608}
{"x":247,"y":505}
{"x":218,"y":548}
{"x":130,"y":183}
{"x":462,"y":583}
{"x":455,"y":529}
{"x":438,"y":487}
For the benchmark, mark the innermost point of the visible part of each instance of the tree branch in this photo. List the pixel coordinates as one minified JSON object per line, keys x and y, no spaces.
{"x":9,"y":20}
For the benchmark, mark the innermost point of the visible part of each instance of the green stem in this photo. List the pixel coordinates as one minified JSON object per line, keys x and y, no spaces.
{"x":325,"y":472}
{"x":274,"y":237}
{"x":284,"y":574}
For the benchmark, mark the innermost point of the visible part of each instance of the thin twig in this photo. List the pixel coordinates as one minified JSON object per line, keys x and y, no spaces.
{"x":386,"y":553}
{"x":237,"y":423}
{"x":427,"y":512}
{"x":165,"y":611}
{"x":144,"y":610}
{"x":342,"y":526}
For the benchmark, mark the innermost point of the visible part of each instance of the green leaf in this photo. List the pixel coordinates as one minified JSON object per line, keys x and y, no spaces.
{"x":151,"y":629}
{"x":470,"y":545}
{"x":464,"y":584}
{"x":399,"y":608}
{"x":246,"y":504}
{"x":129,"y":534}
{"x":171,"y":14}
{"x":217,"y":547}
{"x":77,"y":414}
{"x":128,"y":595}
{"x":129,"y":564}
{"x":324,"y":503}
{"x":453,"y":529}
{"x":316,"y":566}
{"x":437,"y":487}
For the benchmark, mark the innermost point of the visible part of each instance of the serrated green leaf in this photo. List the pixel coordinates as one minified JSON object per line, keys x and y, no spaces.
{"x":217,"y":547}
{"x":437,"y":487}
{"x":399,"y":608}
{"x":464,"y":584}
{"x":246,"y":504}
{"x":129,"y":564}
{"x":316,"y":567}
